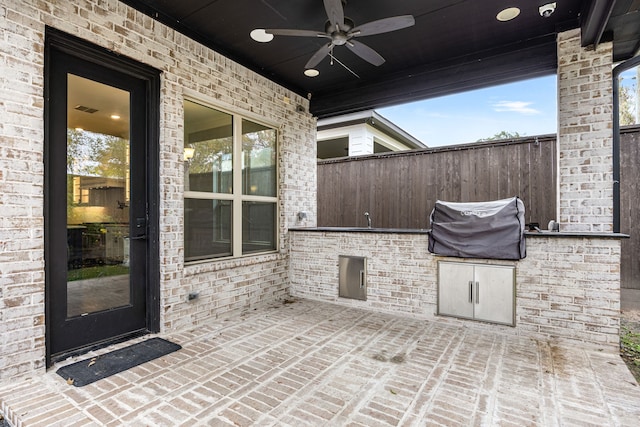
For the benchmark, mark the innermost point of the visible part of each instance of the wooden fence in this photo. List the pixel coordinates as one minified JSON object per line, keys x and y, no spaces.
{"x":630,"y":206}
{"x":399,"y":190}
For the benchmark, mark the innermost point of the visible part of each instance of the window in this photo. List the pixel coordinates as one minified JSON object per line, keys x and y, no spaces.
{"x":230,"y":184}
{"x":629,"y":96}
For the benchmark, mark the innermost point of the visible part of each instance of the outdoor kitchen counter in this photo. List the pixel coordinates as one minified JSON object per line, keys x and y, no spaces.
{"x":543,"y":233}
{"x":362,"y":230}
{"x":566,"y":288}
{"x":581,"y":235}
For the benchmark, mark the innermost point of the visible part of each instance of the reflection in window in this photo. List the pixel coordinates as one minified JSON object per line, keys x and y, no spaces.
{"x":210,"y":136}
{"x":259,"y":159}
{"x":258,"y":227}
{"x":220,"y":219}
{"x":629,"y":96}
{"x":207,"y":228}
{"x":98,"y":195}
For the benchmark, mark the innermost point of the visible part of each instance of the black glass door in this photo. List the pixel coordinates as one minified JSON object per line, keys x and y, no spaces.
{"x":97,"y":230}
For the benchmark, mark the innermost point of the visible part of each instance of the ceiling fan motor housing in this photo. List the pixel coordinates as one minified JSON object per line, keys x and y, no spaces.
{"x":343,"y":29}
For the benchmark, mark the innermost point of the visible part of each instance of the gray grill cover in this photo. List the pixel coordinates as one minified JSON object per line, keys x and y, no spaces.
{"x":493,"y":230}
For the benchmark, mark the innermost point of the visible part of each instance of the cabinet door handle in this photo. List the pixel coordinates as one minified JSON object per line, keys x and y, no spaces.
{"x":470,"y":291}
{"x":477,"y":292}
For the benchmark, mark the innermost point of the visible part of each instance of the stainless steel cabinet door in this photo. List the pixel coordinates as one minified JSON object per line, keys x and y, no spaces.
{"x":455,"y":289}
{"x":477,"y":291}
{"x":353,"y":277}
{"x":493,"y":293}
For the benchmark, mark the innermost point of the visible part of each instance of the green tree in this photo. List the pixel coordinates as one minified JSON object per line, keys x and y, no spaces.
{"x":209,"y":155}
{"x":111,"y":155}
{"x":627,"y":102}
{"x":92,"y":154}
{"x":502,"y":135}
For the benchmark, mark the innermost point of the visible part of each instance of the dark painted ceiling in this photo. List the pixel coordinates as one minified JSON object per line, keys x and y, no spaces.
{"x":455,"y":45}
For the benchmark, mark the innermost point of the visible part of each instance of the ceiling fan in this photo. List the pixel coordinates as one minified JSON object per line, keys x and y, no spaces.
{"x":341,"y":30}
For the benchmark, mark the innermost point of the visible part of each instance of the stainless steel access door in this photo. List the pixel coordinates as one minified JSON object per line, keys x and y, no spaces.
{"x":353,"y":277}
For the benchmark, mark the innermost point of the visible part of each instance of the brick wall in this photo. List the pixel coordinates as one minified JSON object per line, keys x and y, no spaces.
{"x":567,"y":288}
{"x":188,"y":69}
{"x":22,"y":327}
{"x":585,"y":137}
{"x":570,"y":288}
{"x":400,"y":270}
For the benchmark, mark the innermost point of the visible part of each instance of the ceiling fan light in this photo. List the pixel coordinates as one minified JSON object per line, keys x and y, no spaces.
{"x":261,"y":36}
{"x":508,"y":14}
{"x":311,"y":72}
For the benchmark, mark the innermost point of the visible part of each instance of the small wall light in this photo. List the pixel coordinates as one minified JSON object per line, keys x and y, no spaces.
{"x":188,"y":153}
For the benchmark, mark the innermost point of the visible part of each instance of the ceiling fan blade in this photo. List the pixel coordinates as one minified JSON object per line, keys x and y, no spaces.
{"x":335,"y":12}
{"x":383,"y":26}
{"x":365,"y":52}
{"x":296,"y":33}
{"x":318,"y":56}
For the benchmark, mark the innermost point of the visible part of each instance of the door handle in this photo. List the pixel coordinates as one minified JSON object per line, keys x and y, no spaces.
{"x":470,"y":291}
{"x":141,"y":225}
{"x":361,"y":279}
{"x":477,"y":292}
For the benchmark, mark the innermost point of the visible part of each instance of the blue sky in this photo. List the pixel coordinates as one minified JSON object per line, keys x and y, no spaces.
{"x":528,"y":107}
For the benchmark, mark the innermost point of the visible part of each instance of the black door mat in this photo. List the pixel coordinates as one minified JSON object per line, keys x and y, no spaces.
{"x":94,"y":369}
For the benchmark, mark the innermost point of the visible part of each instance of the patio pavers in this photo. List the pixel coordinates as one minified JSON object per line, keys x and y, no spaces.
{"x":314,"y":363}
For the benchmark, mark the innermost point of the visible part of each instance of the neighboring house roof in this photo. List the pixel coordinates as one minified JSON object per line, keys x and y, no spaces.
{"x":385,"y":133}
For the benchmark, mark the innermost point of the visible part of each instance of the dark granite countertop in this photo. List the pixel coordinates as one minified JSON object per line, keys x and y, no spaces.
{"x":362,"y":230}
{"x":543,"y":233}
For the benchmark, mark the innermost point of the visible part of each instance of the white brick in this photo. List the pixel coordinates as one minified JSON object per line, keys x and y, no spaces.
{"x":557,"y":285}
{"x":184,"y":64}
{"x":585,"y":132}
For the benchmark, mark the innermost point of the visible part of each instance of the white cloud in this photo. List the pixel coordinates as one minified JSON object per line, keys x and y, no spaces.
{"x":515,"y":107}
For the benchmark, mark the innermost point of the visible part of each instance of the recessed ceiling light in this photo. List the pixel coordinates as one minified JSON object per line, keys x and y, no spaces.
{"x":311,"y":72}
{"x":115,"y":116}
{"x":508,"y":14}
{"x":261,"y":35}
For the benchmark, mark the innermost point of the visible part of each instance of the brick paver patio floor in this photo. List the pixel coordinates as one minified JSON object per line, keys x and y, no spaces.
{"x":319,"y":364}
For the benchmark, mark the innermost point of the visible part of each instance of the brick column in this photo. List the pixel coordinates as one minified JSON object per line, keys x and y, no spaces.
{"x":585,"y":137}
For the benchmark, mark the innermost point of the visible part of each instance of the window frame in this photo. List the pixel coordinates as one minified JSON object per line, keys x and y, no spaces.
{"x":237,"y":196}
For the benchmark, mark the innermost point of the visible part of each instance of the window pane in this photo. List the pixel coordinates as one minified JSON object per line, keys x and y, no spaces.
{"x":98,"y":192}
{"x":629,"y":96}
{"x":208,"y":143}
{"x":258,"y":227}
{"x":207,"y":228}
{"x":259,"y":159}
